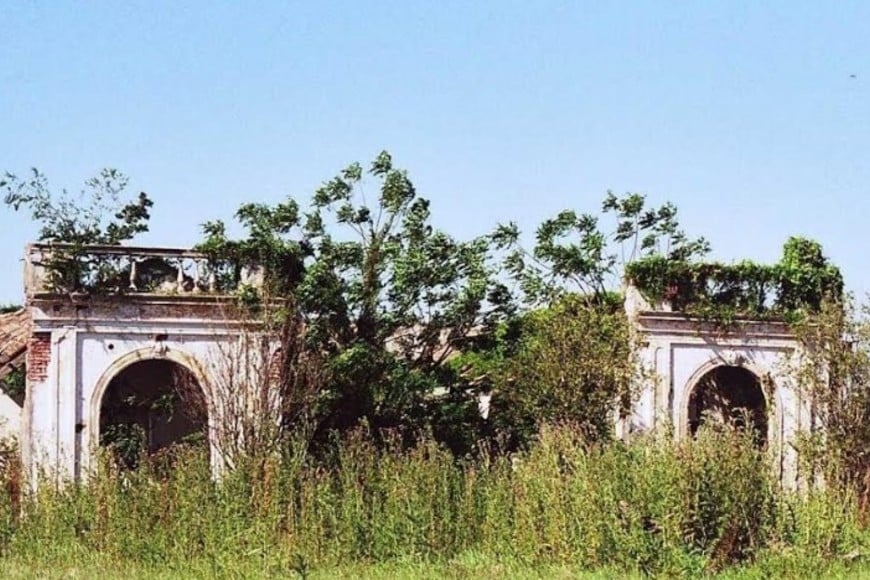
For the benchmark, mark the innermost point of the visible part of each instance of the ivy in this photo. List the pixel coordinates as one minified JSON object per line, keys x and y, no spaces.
{"x":799,"y":283}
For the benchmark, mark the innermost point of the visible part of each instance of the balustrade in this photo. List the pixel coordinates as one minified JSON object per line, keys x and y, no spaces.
{"x":64,"y":268}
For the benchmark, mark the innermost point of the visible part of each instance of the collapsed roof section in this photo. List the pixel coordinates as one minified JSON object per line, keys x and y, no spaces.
{"x":15,"y":330}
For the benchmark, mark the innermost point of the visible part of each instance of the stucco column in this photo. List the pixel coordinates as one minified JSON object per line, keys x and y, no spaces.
{"x":66,"y":376}
{"x":51,"y":409}
{"x":39,"y":431}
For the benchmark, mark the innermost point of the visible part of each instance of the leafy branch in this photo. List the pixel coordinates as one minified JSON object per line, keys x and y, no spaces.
{"x":98,"y":214}
{"x":572,"y":253}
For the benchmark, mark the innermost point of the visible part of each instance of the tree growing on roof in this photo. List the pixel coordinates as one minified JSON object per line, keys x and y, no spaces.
{"x":384,"y":294}
{"x":99,"y":214}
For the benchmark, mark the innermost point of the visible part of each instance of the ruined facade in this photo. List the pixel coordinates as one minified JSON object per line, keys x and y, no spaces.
{"x":83,"y":351}
{"x":695,"y":370}
{"x":171,"y":317}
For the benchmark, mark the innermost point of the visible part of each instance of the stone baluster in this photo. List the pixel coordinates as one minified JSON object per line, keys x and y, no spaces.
{"x":179,"y":281}
{"x":133,"y":274}
{"x":212,"y":278}
{"x":197,"y":269}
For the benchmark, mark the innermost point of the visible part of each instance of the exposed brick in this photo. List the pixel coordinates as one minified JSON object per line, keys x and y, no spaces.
{"x":38,"y":356}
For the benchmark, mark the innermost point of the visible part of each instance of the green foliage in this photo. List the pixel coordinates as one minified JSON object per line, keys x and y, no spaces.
{"x":834,"y":372}
{"x":15,"y":384}
{"x":651,"y":231}
{"x":267,"y":247}
{"x":385,"y":296}
{"x":97,"y":215}
{"x":128,"y":442}
{"x":573,"y":363}
{"x":573,"y":253}
{"x":806,"y":278}
{"x":799,"y":283}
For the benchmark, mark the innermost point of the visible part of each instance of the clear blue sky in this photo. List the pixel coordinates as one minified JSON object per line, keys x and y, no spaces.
{"x":744,"y":114}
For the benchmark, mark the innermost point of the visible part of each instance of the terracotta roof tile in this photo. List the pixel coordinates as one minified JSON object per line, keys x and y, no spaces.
{"x":14,"y":333}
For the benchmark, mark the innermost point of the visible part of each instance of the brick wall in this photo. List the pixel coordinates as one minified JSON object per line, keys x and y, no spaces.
{"x":38,"y":356}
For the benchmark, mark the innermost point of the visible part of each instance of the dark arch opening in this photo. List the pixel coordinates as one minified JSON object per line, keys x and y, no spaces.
{"x":150,"y":406}
{"x":729,"y":395}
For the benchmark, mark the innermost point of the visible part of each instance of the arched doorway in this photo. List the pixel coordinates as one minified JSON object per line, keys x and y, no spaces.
{"x":730,"y":395}
{"x":151,"y":405}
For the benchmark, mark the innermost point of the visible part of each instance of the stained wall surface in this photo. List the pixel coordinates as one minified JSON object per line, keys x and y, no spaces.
{"x":676,"y":352}
{"x":77,"y":349}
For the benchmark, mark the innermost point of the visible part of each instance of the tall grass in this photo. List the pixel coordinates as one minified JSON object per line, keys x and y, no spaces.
{"x":651,"y":506}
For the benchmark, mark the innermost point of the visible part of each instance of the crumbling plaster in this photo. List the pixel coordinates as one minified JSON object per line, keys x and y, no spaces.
{"x":675,"y":352}
{"x":90,"y":344}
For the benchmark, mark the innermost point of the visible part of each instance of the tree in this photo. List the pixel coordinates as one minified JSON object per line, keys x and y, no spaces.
{"x":572,"y":253}
{"x":807,"y":279}
{"x":385,"y":296}
{"x":573,"y":364}
{"x":99,"y":214}
{"x":570,"y":357}
{"x":833,"y":371}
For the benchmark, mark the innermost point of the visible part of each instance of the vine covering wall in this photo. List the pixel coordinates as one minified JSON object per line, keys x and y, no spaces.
{"x":799,"y":283}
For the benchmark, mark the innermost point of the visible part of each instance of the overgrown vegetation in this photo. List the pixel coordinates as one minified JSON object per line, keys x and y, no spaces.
{"x":99,"y":214}
{"x":834,"y":373}
{"x":573,"y":363}
{"x":412,"y":324}
{"x":650,"y":508}
{"x":574,"y":254}
{"x":14,"y":384}
{"x":385,"y":298}
{"x":352,"y":435}
{"x":799,"y":284}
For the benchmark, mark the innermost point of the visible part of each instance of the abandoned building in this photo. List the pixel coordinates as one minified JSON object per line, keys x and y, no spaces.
{"x":167,"y":323}
{"x":694,"y":371}
{"x":87,"y":355}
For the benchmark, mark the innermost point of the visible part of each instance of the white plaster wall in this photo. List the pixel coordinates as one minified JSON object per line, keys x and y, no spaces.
{"x":645,"y":409}
{"x":63,"y":421}
{"x":675,"y":355}
{"x":10,"y":418}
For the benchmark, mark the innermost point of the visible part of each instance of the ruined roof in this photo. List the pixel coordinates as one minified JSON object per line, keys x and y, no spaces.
{"x":14,"y":332}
